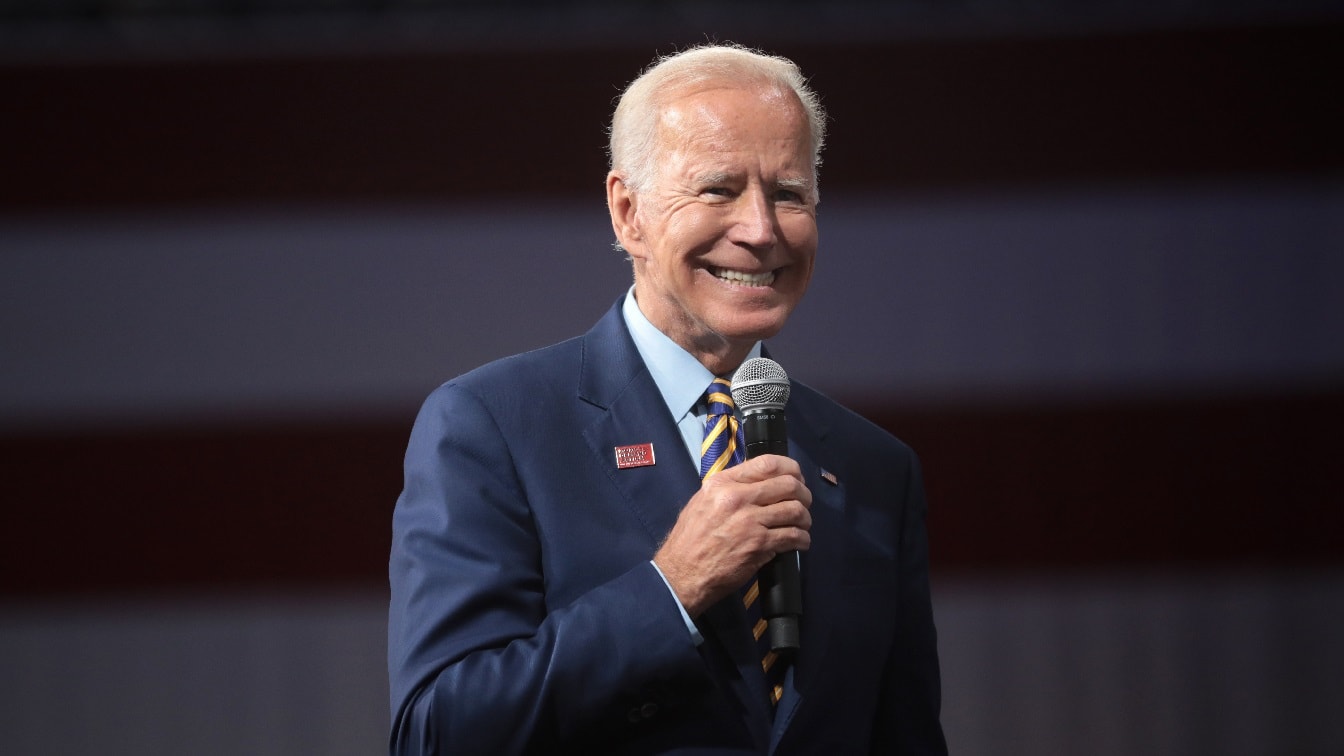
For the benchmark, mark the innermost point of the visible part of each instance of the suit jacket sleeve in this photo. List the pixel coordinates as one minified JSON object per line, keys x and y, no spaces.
{"x":479,"y":661}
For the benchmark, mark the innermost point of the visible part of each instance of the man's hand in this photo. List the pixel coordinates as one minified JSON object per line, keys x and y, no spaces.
{"x":739,"y":519}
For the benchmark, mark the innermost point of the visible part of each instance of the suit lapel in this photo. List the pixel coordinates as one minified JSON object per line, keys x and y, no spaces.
{"x":614,"y":378}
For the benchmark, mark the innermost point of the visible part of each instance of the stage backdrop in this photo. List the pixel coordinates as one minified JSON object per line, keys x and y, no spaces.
{"x":1092,"y":273}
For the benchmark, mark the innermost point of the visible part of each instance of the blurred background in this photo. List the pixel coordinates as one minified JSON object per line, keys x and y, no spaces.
{"x":1086,"y":257}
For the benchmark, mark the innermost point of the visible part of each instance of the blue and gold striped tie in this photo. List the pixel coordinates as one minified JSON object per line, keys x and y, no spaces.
{"x":724,"y":447}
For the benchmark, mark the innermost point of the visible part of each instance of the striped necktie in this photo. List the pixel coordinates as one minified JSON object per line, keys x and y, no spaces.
{"x":724,"y":447}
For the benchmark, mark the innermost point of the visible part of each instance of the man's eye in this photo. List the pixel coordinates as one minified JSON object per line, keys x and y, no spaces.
{"x":721,"y":191}
{"x":788,"y":195}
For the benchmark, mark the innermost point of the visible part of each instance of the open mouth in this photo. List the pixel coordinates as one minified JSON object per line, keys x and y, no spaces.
{"x":744,"y":279}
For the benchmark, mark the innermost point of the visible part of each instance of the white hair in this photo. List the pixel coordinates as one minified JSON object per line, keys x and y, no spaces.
{"x":634,"y":125}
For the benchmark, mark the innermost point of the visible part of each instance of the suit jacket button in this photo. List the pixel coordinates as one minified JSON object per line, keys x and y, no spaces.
{"x":633,"y":715}
{"x":648,"y":710}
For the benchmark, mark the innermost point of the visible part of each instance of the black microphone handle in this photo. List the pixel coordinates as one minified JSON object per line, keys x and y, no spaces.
{"x":765,"y":432}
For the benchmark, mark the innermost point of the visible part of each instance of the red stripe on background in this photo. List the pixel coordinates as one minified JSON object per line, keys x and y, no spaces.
{"x":1245,"y":481}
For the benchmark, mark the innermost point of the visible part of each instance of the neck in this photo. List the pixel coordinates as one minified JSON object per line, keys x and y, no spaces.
{"x":719,"y":354}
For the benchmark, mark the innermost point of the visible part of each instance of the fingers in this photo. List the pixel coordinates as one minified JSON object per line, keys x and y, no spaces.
{"x":762,"y":468}
{"x":784,"y":514}
{"x":767,"y":492}
{"x":739,"y":519}
{"x":759,"y":482}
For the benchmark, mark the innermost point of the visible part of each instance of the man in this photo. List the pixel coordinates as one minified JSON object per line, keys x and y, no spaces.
{"x":562,"y":579}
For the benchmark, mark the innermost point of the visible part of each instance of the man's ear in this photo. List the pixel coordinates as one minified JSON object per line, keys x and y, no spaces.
{"x":622,"y":204}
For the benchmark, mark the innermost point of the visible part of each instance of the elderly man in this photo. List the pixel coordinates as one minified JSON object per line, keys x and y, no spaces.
{"x":564,"y":580}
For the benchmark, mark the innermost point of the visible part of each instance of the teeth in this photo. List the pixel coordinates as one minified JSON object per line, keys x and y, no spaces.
{"x":745,"y":279}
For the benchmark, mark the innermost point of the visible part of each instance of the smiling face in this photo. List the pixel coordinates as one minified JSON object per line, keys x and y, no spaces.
{"x":724,"y":237}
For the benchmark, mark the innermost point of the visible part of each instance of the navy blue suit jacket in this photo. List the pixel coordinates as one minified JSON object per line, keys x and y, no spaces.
{"x":526,"y":616}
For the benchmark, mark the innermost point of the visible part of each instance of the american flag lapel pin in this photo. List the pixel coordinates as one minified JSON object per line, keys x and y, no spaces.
{"x":634,"y":455}
{"x":829,"y":477}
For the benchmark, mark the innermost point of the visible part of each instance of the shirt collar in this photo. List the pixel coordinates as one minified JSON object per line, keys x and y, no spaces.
{"x":680,"y":377}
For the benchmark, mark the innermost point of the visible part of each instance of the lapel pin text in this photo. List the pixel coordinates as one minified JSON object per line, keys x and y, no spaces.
{"x":634,"y":455}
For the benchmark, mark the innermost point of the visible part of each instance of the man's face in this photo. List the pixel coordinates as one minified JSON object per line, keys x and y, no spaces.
{"x":724,"y":238}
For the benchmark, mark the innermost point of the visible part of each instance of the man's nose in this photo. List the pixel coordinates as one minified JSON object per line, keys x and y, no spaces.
{"x":754,"y":221}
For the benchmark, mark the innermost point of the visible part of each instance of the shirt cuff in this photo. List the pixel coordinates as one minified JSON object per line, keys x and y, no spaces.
{"x":690,"y":625}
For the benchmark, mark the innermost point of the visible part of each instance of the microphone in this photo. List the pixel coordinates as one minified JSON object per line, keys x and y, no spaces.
{"x":760,"y":391}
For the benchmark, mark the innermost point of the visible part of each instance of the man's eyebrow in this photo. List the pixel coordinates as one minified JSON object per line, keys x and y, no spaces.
{"x":794,"y":183}
{"x":711,"y":177}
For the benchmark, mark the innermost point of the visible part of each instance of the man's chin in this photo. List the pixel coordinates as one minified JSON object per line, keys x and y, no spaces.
{"x":750,"y":332}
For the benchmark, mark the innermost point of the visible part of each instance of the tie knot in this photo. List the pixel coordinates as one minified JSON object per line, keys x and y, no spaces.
{"x":719,"y":397}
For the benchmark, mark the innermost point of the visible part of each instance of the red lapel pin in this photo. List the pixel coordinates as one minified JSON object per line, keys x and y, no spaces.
{"x":634,"y":455}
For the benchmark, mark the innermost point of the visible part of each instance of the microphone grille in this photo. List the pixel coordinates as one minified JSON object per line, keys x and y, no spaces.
{"x":760,"y":384}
